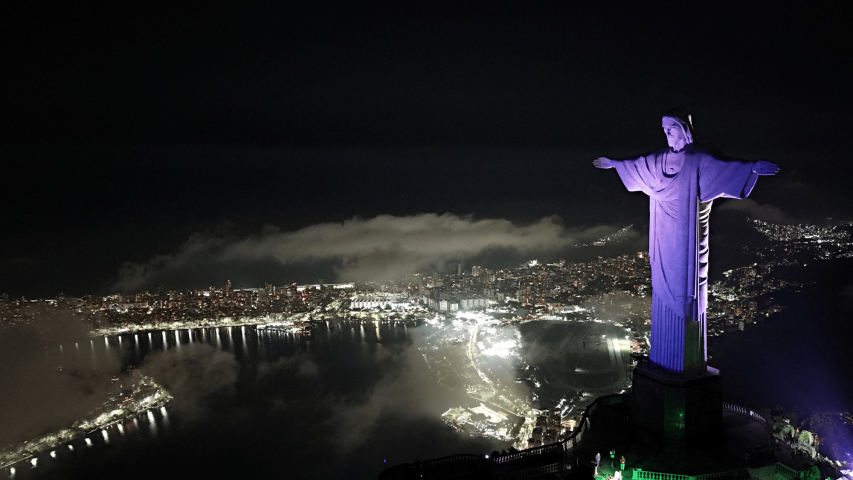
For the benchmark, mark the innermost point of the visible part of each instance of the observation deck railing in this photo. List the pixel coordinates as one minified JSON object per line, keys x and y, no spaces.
{"x":787,"y":472}
{"x":648,"y":475}
{"x":758,"y":416}
{"x":448,"y":460}
{"x":783,"y":470}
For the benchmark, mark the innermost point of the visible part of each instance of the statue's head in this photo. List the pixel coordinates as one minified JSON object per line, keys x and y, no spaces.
{"x":678,"y":128}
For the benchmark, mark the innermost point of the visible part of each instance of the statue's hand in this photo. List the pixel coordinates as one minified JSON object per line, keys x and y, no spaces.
{"x":603,"y":162}
{"x":765,"y":168}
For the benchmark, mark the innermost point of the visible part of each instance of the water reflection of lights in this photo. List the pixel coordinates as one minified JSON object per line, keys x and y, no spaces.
{"x":152,"y":423}
{"x":53,"y":453}
{"x":88,"y":442}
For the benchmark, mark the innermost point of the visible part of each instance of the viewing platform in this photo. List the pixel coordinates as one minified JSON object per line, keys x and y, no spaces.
{"x":749,"y":451}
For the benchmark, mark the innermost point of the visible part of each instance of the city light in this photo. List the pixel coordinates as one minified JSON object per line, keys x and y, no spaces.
{"x":476,"y":323}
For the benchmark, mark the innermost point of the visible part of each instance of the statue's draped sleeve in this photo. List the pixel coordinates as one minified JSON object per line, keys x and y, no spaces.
{"x":638,"y":174}
{"x":725,"y":178}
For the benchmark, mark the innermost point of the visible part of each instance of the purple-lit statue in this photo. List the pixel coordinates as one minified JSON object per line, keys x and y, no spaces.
{"x":682,"y":181}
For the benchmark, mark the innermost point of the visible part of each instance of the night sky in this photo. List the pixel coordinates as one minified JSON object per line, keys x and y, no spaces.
{"x":145,"y":146}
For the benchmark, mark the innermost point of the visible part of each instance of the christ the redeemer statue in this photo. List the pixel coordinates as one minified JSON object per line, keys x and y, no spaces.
{"x":682,"y":181}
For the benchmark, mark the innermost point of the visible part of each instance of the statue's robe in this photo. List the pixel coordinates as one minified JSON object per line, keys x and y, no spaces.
{"x":679,"y":206}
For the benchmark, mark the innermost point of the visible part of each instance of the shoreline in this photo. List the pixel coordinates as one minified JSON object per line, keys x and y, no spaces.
{"x":154,"y":396}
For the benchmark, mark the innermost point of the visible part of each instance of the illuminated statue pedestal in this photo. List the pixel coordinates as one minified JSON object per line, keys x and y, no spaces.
{"x":677,"y":413}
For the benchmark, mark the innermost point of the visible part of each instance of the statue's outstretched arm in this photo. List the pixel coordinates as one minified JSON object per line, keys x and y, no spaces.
{"x":764,"y":167}
{"x":604,"y":162}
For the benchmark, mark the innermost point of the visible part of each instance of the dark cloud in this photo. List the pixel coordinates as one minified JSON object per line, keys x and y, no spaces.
{"x":407,"y":392}
{"x":615,"y":306}
{"x":846,"y":298}
{"x":387,"y":402}
{"x":755,"y":210}
{"x":46,"y":388}
{"x":191,"y":373}
{"x":297,"y":364}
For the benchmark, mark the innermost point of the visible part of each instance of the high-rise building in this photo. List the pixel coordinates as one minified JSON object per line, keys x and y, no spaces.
{"x":228,"y":289}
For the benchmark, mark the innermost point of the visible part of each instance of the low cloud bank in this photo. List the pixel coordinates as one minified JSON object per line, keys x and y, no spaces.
{"x":386,"y":403}
{"x":45,"y":387}
{"x":191,"y":373}
{"x":359,"y":249}
{"x":755,"y":210}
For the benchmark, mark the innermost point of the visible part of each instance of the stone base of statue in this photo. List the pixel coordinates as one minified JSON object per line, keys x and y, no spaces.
{"x":676,"y":412}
